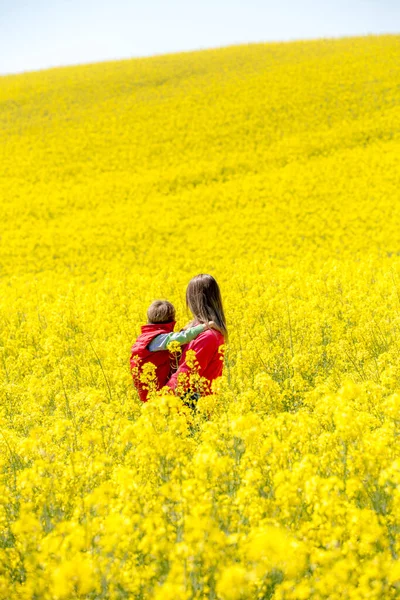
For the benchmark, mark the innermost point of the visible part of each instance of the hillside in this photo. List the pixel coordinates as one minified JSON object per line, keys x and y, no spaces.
{"x":275,"y":167}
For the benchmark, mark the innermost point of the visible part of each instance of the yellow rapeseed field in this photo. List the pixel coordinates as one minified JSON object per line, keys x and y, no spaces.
{"x":276,"y":168}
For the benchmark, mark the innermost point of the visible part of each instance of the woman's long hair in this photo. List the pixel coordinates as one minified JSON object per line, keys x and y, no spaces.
{"x":203,"y":298}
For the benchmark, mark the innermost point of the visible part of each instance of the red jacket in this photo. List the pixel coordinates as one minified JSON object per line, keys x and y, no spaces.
{"x":160,"y":359}
{"x":206,"y":347}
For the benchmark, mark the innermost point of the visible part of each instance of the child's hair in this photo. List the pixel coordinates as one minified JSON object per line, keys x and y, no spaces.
{"x":161,"y":311}
{"x":203,"y":299}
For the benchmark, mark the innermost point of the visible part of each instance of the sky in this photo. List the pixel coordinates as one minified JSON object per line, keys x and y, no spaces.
{"x":37,"y":34}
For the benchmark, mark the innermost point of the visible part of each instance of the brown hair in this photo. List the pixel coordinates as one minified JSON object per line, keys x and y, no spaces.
{"x":203,"y":298}
{"x":161,"y":311}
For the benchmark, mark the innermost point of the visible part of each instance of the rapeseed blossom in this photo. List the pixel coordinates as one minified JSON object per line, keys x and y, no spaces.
{"x":275,"y":168}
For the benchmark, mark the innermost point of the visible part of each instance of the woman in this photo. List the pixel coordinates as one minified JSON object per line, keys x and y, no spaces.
{"x":203,"y":298}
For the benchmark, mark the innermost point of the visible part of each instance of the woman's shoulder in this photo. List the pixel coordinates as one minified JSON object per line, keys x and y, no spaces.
{"x":211,"y":336}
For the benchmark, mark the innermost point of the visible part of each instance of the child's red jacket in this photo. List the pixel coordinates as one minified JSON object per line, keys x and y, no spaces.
{"x":140,"y":355}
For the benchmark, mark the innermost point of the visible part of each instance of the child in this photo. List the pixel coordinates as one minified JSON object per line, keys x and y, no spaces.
{"x":151,"y":345}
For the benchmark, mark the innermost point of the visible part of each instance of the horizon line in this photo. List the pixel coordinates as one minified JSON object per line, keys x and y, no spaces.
{"x":195,"y":50}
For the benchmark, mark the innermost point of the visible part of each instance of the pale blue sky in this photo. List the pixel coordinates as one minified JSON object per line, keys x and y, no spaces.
{"x":36,"y":34}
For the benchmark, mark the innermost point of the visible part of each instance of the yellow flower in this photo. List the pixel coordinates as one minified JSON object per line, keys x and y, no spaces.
{"x":234,"y":583}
